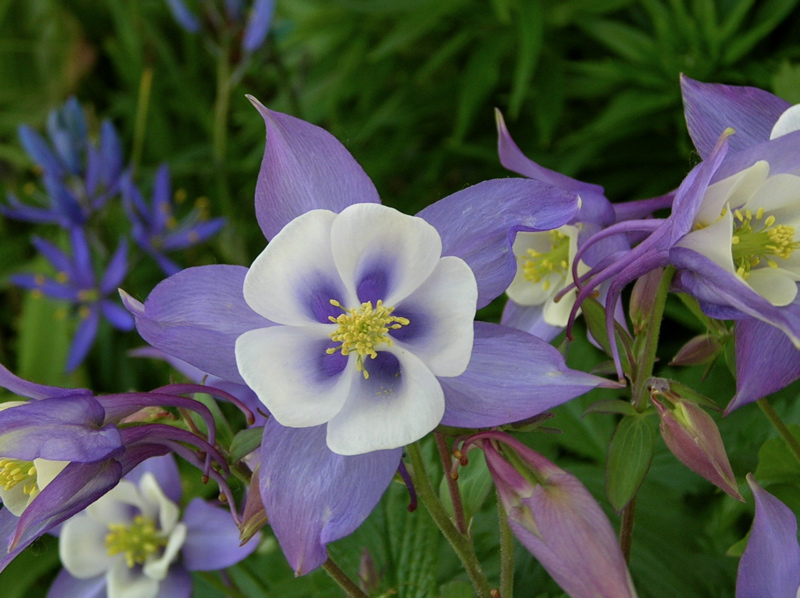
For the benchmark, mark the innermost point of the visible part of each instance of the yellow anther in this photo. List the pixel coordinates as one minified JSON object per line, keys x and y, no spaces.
{"x":136,"y":541}
{"x":760,"y":214}
{"x":735,"y":239}
{"x":362,"y":329}
{"x":753,"y":243}
{"x":538,"y":266}
{"x":14,"y":472}
{"x":738,"y":214}
{"x":769,"y":221}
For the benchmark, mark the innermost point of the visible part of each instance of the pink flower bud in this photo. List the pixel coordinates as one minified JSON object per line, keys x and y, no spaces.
{"x":701,"y":349}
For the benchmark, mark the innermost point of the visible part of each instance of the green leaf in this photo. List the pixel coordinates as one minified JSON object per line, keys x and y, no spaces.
{"x":474,"y":484}
{"x":24,"y":576}
{"x":530,"y":35}
{"x":245,"y":442}
{"x":629,"y":458}
{"x":44,"y":340}
{"x":478,"y":81}
{"x":629,"y":42}
{"x":776,"y":462}
{"x":609,"y":406}
{"x":786,"y":82}
{"x":595,"y":315}
{"x":457,"y":589}
{"x":769,"y":15}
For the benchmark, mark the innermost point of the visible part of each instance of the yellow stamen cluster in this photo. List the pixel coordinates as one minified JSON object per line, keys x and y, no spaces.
{"x":361,"y":329}
{"x":753,"y":242}
{"x":537,"y":266}
{"x":14,"y":472}
{"x":137,"y":541}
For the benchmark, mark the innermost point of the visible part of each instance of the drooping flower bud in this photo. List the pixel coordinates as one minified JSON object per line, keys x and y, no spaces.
{"x":556,"y":518}
{"x":699,"y":350}
{"x":692,"y":436}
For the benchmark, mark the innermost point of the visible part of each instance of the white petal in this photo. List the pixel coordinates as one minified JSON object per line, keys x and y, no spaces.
{"x":523,"y":291}
{"x":441,"y":313}
{"x":158,"y":569}
{"x":788,"y":122}
{"x":82,"y":547}
{"x":119,"y":505}
{"x":46,"y":471}
{"x":9,"y":404}
{"x":773,"y":285}
{"x":294,"y":278}
{"x":289,"y":370}
{"x":124,"y":582}
{"x":391,"y":409}
{"x":557,"y":313}
{"x":160,"y":509}
{"x":779,"y":195}
{"x":15,"y":500}
{"x":714,"y":242}
{"x":382,"y":253}
{"x":735,"y":190}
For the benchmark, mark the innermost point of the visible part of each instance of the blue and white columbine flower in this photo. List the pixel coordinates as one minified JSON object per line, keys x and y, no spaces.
{"x":355,"y":328}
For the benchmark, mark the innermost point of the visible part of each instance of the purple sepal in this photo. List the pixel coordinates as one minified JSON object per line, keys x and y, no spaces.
{"x":511,"y":376}
{"x":212,"y":539}
{"x":177,"y":584}
{"x":766,"y":359}
{"x":76,"y":487}
{"x":31,"y":390}
{"x":770,"y":565}
{"x":66,"y":585}
{"x":711,"y":108}
{"x":478,"y":224}
{"x":313,"y":496}
{"x":196,"y":315}
{"x":529,"y":318}
{"x":304,"y":168}
{"x":258,"y":24}
{"x":59,"y":429}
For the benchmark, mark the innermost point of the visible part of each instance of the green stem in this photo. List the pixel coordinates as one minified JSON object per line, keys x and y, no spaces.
{"x":340,"y":577}
{"x":778,"y":424}
{"x":140,"y":124}
{"x":461,"y":544}
{"x":626,"y":529}
{"x":227,"y":589}
{"x":647,"y":357}
{"x":506,"y":552}
{"x":222,"y":102}
{"x":452,"y":484}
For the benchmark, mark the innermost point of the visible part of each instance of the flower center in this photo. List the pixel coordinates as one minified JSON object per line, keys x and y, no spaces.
{"x":14,"y":472}
{"x":537,"y":265}
{"x":361,"y":329}
{"x":136,"y":541}
{"x":758,"y":238}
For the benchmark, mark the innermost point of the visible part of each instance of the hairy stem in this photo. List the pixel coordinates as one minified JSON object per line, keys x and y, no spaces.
{"x":506,"y":552}
{"x":781,"y":428}
{"x":341,"y":578}
{"x":461,"y":544}
{"x":452,"y":484}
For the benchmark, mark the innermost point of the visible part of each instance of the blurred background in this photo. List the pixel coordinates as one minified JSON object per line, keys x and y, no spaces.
{"x":587,"y":87}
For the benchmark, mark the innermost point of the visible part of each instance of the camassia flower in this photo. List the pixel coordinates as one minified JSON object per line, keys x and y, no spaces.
{"x":134,"y":542}
{"x":354,"y":327}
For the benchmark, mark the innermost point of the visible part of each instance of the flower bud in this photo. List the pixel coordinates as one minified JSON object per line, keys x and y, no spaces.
{"x":699,"y":350}
{"x":692,"y":436}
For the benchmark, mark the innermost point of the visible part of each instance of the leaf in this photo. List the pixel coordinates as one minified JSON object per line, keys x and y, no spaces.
{"x":44,"y":340}
{"x":629,"y":458}
{"x":769,"y":15}
{"x":609,"y":406}
{"x":478,"y":81}
{"x":474,"y":484}
{"x":776,"y":462}
{"x":786,"y":82}
{"x":626,"y":41}
{"x":530,"y":35}
{"x":595,"y":315}
{"x":245,"y":442}
{"x":457,"y":589}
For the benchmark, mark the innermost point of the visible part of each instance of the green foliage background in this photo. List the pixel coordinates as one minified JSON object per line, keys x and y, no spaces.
{"x":588,"y":87}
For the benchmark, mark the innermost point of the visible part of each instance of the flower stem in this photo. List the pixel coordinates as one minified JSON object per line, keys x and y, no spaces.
{"x":452,"y":484}
{"x":460,"y":543}
{"x":781,"y":428}
{"x":506,"y":552}
{"x":626,"y":529}
{"x":341,"y":578}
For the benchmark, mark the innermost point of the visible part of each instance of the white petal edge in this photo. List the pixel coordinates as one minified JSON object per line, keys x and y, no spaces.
{"x":158,"y":568}
{"x":124,"y":582}
{"x":280,"y":364}
{"x":294,"y":264}
{"x":82,"y":548}
{"x":773,"y":285}
{"x":365,"y":235}
{"x":114,"y":506}
{"x":161,"y":509}
{"x":448,"y":297}
{"x":788,"y":122}
{"x":377,"y":418}
{"x":714,"y":242}
{"x":736,"y":190}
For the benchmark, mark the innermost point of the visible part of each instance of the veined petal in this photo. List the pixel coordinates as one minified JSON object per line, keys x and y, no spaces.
{"x":478,"y":224}
{"x":313,"y":496}
{"x":294,"y":279}
{"x":398,"y":404}
{"x":381,"y":253}
{"x":212,"y":538}
{"x":304,"y":168}
{"x":766,"y":360}
{"x":512,"y":376}
{"x":293,"y":375}
{"x":441,"y":313}
{"x":712,"y":108}
{"x":770,"y":565}
{"x":196,"y":315}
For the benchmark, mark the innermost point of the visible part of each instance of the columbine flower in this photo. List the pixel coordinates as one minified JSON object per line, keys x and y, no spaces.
{"x":770,"y":565}
{"x":255,"y":21}
{"x":155,"y":228}
{"x":132,"y":541}
{"x":329,"y":242}
{"x":559,"y":522}
{"x":79,"y":176}
{"x":75,"y":282}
